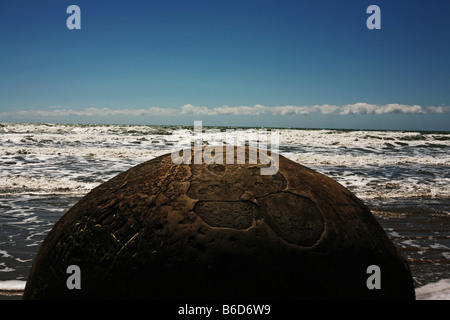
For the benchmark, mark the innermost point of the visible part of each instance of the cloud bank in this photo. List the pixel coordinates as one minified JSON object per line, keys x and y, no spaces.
{"x":359,"y":108}
{"x":349,"y":109}
{"x":92,"y":112}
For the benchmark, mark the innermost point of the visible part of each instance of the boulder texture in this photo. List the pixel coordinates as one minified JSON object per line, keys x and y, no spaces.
{"x":219,"y":231}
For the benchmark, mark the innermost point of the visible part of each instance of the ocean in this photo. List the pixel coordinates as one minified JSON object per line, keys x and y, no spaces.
{"x":402,"y":176}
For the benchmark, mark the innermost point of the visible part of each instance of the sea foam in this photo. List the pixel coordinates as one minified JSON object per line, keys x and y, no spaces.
{"x":439,"y":290}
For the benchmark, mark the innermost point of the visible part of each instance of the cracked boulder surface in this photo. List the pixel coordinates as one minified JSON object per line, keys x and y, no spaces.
{"x":218,"y":231}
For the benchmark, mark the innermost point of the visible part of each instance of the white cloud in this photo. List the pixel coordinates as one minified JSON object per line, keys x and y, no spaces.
{"x":365,"y":108}
{"x":357,"y":108}
{"x":440,"y":109}
{"x":225,"y":110}
{"x":435,"y":109}
{"x":255,"y":110}
{"x":326,"y":108}
{"x":400,"y":108}
{"x":93,"y":112}
{"x":290,"y":110}
{"x":201,"y":111}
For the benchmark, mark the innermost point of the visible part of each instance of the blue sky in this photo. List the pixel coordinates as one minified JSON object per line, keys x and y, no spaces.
{"x":253,"y":63}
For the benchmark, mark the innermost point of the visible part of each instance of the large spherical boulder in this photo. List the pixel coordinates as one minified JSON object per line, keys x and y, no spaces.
{"x":185,"y":231}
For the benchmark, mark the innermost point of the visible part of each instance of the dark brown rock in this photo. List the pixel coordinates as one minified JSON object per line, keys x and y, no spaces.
{"x":166,"y":231}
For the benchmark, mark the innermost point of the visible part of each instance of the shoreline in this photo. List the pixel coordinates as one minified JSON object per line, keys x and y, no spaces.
{"x":439,"y":290}
{"x":11,"y":294}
